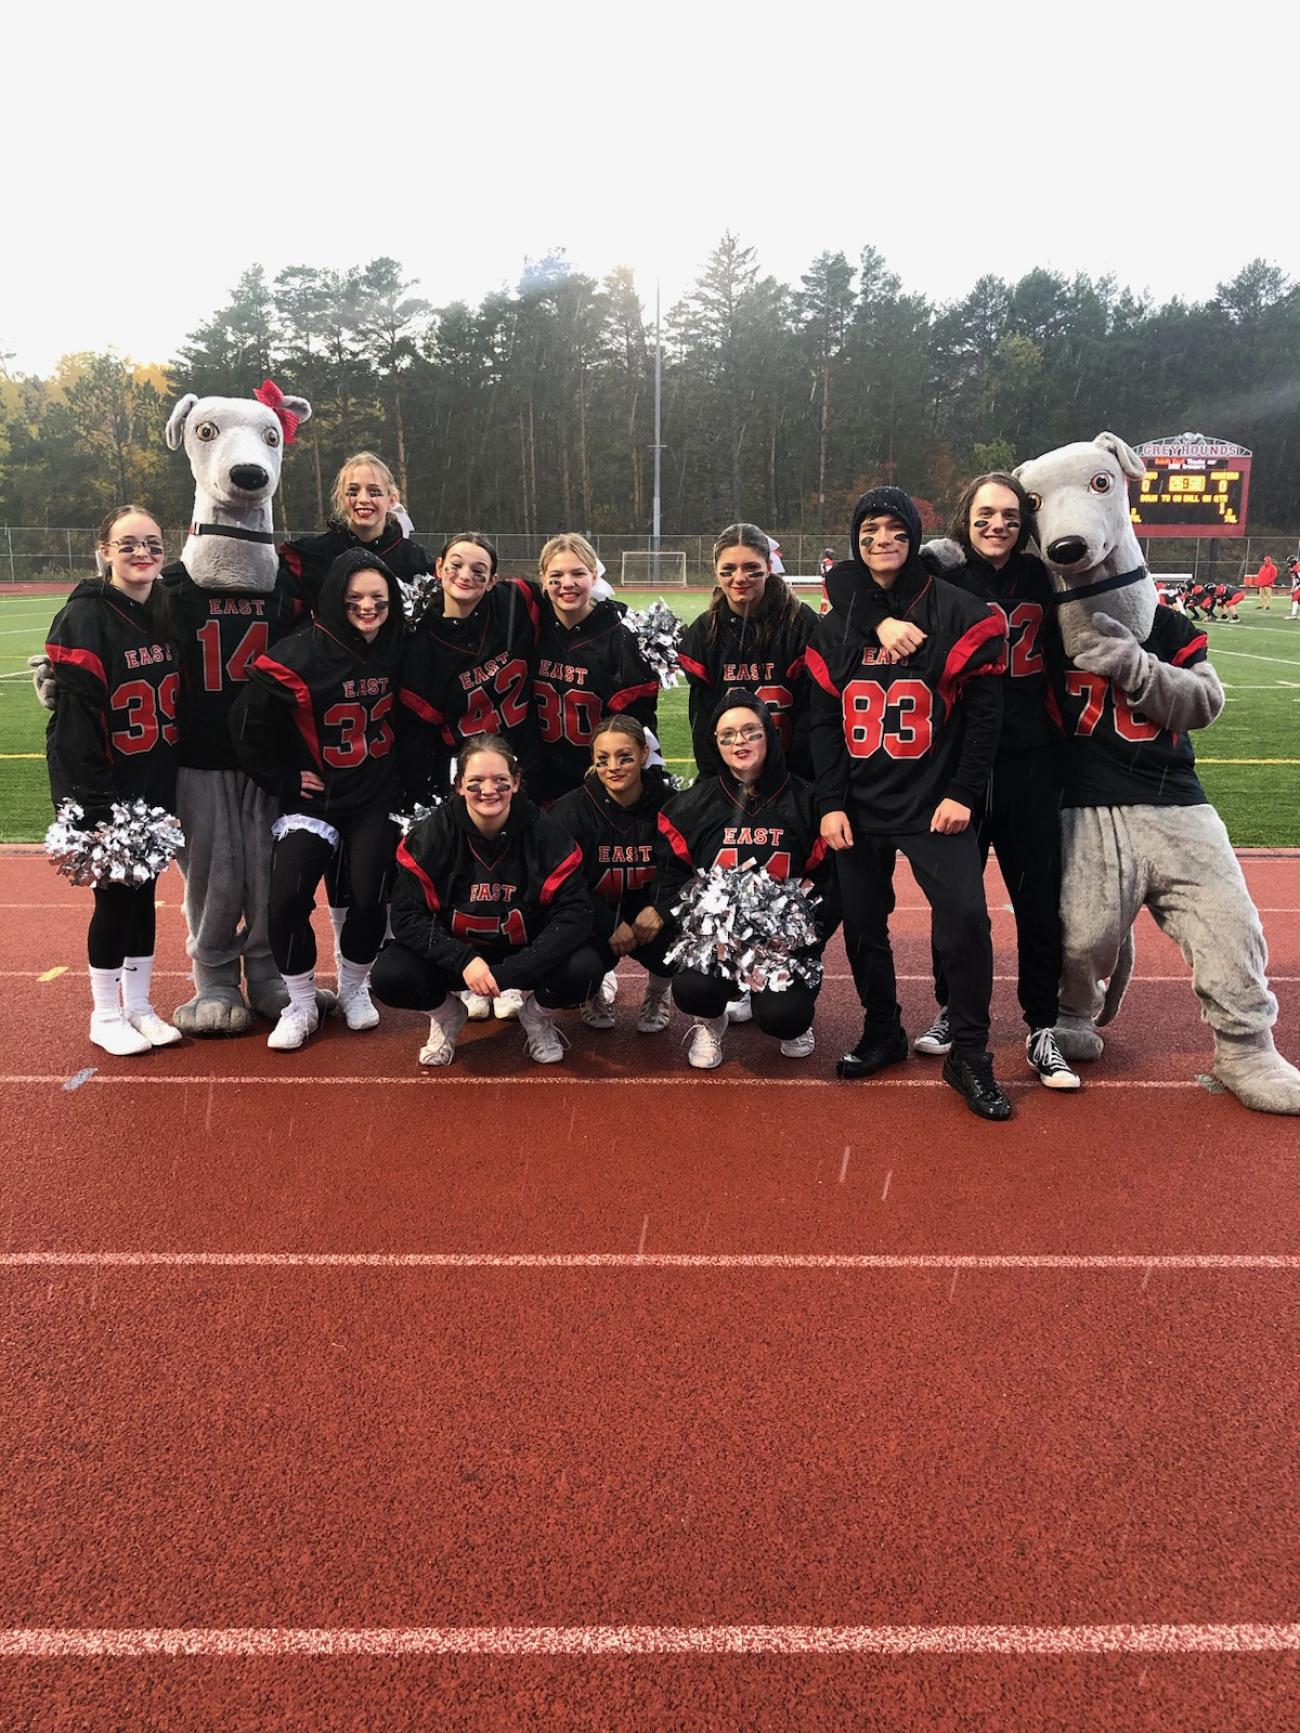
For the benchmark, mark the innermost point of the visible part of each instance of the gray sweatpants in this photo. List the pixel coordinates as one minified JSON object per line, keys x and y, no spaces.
{"x":226,"y":861}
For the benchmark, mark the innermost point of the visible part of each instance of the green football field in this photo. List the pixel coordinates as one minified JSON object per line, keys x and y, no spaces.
{"x":1249,"y":760}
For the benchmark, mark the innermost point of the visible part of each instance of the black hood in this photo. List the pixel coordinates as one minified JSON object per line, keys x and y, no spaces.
{"x":895,"y":501}
{"x":655,"y":790}
{"x":775,"y":770}
{"x":523,"y":812}
{"x":850,"y":588}
{"x":334,"y":616}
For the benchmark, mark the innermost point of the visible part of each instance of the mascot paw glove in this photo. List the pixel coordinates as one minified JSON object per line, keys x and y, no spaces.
{"x":1111,"y":649}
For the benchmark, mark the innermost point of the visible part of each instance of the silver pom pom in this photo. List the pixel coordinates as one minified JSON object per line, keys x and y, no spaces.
{"x":134,"y":846}
{"x":742,"y":924}
{"x":417,"y":593}
{"x":658,"y":633}
{"x":406,"y":820}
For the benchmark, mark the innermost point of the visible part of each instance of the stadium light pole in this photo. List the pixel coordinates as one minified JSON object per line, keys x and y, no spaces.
{"x":654,"y":538}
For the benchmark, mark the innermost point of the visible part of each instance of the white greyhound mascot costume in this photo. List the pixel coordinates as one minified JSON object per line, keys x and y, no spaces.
{"x":1136,"y":829}
{"x":228,"y":601}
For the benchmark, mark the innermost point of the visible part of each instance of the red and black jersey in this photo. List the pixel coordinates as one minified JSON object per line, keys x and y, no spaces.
{"x":1113,"y":755}
{"x":891,"y":740}
{"x":1022,"y":591}
{"x":113,"y":733}
{"x":309,"y":558}
{"x":714,"y":659}
{"x":324,"y":700}
{"x":617,"y":842}
{"x":517,"y":899}
{"x":585,"y":672}
{"x":220,"y":634}
{"x":467,"y":677}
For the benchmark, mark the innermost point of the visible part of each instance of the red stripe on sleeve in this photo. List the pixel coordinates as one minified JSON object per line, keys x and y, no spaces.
{"x":292,"y":558}
{"x":85,"y":659}
{"x":820,"y":672}
{"x":1199,"y":642}
{"x":303,"y":715}
{"x":957,"y":668}
{"x":567,"y":867}
{"x":816,"y":858}
{"x":630,"y":694}
{"x":695,"y":669}
{"x":525,"y":589}
{"x":421,"y":706}
{"x":406,"y":859}
{"x":676,"y":841}
{"x":798,"y":667}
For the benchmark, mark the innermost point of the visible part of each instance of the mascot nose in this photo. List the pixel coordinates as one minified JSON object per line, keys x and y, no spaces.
{"x":1067,"y":551}
{"x":249,"y":476}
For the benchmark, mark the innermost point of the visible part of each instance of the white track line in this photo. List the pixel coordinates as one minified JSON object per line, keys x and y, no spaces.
{"x":78,"y":974}
{"x":654,"y":1260}
{"x":90,"y":1078}
{"x":523,"y":1641}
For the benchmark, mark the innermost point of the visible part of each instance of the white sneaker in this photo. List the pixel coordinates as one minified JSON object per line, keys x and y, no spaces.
{"x":445,"y":1025}
{"x":111,"y":1031}
{"x":295,"y":1025}
{"x":799,"y":1046}
{"x":545,"y":1042}
{"x":656,"y":1009}
{"x":478,"y":1007}
{"x":155,"y":1029}
{"x":740,"y":1010}
{"x":595,"y":1012}
{"x":608,"y":989}
{"x":705,"y":1050}
{"x":508,"y":1004}
{"x":358,"y":1008}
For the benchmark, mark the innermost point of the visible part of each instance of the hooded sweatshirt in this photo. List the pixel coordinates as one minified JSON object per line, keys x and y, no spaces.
{"x":113,"y":732}
{"x":891,"y":740}
{"x":467,"y":677}
{"x":617,"y":842}
{"x":585,"y":672}
{"x":309,"y":558}
{"x":323,"y":701}
{"x":718,"y":822}
{"x":516,"y":899}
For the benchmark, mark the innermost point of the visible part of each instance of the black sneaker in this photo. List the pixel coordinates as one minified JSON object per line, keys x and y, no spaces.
{"x":881,"y":1044}
{"x":1045,"y":1058}
{"x":971,"y":1075}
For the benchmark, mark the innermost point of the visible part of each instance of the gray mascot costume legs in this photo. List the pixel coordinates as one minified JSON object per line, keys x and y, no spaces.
{"x":1137,"y":831}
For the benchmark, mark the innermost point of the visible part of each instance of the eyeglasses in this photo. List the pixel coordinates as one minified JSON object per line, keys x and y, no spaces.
{"x":376,"y":607}
{"x":487,"y":784}
{"x":129,"y":545}
{"x":738,"y":736}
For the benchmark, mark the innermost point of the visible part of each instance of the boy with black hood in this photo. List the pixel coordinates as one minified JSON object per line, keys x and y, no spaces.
{"x":745,"y":807}
{"x":314,"y":726}
{"x":902,"y":746}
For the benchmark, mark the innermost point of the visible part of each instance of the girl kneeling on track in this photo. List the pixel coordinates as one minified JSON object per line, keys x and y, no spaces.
{"x":615,"y":817}
{"x":112,"y":737}
{"x":589,"y":666}
{"x":489,"y":897}
{"x":745,"y":809}
{"x":315,"y":726}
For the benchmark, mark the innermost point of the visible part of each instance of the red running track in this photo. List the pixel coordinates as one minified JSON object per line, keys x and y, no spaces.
{"x":963,"y":1478}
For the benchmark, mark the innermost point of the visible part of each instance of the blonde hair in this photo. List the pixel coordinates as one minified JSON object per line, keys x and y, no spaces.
{"x":568,"y":544}
{"x":338,"y":499}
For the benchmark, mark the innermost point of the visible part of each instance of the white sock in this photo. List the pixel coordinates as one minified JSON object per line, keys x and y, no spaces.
{"x":302,"y":990}
{"x":352,"y":975}
{"x":137,"y":975}
{"x":106,"y":990}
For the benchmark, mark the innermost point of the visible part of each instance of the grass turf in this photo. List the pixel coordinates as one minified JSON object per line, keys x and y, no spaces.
{"x":1248,"y":761}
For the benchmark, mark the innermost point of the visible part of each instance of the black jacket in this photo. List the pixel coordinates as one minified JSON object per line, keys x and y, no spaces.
{"x":517,"y":899}
{"x":324,"y":701}
{"x":113,"y":732}
{"x":617,"y":842}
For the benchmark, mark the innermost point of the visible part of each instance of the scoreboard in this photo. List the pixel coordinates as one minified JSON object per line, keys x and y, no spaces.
{"x":1192,"y":486}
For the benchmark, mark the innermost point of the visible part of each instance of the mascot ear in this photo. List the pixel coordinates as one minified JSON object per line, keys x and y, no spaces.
{"x":175,"y":434}
{"x":298,"y":406}
{"x":1128,"y":459}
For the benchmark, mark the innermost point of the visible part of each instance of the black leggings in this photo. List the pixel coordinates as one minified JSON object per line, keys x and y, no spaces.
{"x":122,"y":925}
{"x":298,"y":862}
{"x":783,"y":1015}
{"x":405,"y":979}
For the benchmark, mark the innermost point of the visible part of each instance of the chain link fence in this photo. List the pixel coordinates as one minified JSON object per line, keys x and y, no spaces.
{"x":32,"y":556}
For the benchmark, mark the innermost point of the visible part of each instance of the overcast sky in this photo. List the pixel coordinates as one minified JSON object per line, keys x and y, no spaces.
{"x":148,"y":165}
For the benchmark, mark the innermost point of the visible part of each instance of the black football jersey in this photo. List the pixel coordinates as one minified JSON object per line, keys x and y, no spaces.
{"x":777,"y":674}
{"x":309,"y":558}
{"x":221,"y":633}
{"x":617,"y":842}
{"x":585,"y":672}
{"x":1115,"y":756}
{"x":113,"y":732}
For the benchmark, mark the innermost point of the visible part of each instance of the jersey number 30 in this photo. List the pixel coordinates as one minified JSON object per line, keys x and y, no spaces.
{"x":869,"y":709}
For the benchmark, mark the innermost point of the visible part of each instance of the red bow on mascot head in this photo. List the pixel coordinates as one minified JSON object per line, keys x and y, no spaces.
{"x":270,"y":394}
